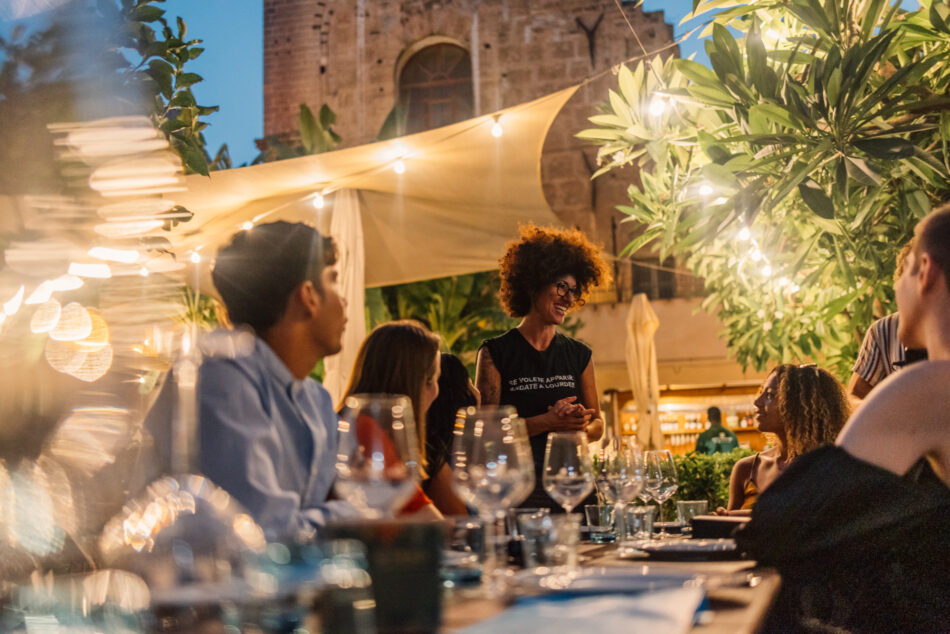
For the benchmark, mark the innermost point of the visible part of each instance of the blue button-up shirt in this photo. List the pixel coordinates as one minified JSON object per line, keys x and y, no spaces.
{"x":269,"y":440}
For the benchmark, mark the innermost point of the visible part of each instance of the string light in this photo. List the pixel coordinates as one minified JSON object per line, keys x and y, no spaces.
{"x":766,"y":270}
{"x":399,"y":167}
{"x":318,"y":201}
{"x":744,"y":234}
{"x":657,"y":107}
{"x":755,"y":255}
{"x":496,"y":129}
{"x":705,"y":190}
{"x":247,"y":226}
{"x":195,"y":257}
{"x":143,"y":271}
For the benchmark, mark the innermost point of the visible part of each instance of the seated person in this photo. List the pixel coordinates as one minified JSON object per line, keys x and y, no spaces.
{"x":859,"y":531}
{"x":456,"y":391}
{"x":402,"y":357}
{"x":267,"y":431}
{"x":716,"y":439}
{"x":805,"y":407}
{"x":882,"y":353}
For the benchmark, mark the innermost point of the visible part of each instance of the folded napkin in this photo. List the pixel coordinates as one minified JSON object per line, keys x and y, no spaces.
{"x":664,"y":611}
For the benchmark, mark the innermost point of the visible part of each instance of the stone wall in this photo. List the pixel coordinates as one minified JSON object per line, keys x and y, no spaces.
{"x":346,"y":53}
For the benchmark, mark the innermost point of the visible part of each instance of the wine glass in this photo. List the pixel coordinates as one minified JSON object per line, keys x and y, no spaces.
{"x":492,"y":470}
{"x":621,"y":466}
{"x":377,"y":462}
{"x":568,"y":477}
{"x":660,"y":478}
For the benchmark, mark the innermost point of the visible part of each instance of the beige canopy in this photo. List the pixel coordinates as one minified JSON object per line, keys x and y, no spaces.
{"x":459,"y":200}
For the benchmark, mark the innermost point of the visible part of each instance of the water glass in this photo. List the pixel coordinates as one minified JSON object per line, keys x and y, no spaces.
{"x":534,"y":527}
{"x":640,"y":522}
{"x":686,"y":510}
{"x":560,"y":550}
{"x":465,"y":552}
{"x":600,"y":523}
{"x":568,"y":476}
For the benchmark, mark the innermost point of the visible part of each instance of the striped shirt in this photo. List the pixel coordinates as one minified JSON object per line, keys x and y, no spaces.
{"x":880,"y":350}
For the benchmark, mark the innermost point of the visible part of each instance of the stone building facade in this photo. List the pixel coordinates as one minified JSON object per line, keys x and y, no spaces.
{"x":362,"y":57}
{"x":354,"y":55}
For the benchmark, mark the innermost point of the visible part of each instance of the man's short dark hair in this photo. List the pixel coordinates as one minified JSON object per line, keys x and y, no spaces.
{"x":714,"y":414}
{"x":932,"y":236}
{"x":256,"y":272}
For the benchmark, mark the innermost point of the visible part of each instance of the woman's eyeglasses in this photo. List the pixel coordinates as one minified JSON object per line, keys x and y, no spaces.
{"x":563,"y":288}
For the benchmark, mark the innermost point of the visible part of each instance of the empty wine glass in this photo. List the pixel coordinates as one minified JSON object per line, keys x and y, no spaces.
{"x":568,"y":475}
{"x":621,"y":479}
{"x":660,"y":478}
{"x":492,"y":470}
{"x":377,"y":461}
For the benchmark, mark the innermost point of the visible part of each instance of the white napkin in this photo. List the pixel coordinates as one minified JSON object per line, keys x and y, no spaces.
{"x":664,"y":611}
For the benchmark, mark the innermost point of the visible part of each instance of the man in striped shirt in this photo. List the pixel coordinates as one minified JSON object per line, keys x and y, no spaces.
{"x":881,"y":354}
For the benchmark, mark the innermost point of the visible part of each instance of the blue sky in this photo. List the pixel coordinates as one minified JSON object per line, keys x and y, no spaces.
{"x":232,"y":64}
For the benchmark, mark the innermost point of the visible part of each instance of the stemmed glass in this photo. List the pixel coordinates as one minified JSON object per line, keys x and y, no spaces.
{"x":620,"y":477}
{"x":568,"y":477}
{"x":492,"y":470}
{"x":377,"y":463}
{"x":660,"y":478}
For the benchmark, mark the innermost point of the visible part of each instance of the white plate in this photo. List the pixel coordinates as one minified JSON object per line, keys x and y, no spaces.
{"x":599,"y":580}
{"x":691,"y":548}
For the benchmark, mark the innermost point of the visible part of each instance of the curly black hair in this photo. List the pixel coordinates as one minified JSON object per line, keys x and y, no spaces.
{"x":540,"y":257}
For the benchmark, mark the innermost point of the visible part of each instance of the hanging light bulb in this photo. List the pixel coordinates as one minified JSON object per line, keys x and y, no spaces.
{"x":318,"y":201}
{"x":657,"y":107}
{"x":247,"y":226}
{"x":766,"y":270}
{"x":195,"y":257}
{"x":496,"y":129}
{"x":143,"y":271}
{"x":705,"y":190}
{"x":744,"y":234}
{"x":399,"y":167}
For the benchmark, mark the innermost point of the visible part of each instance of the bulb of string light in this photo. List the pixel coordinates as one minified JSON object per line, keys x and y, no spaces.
{"x":497,"y":130}
{"x":318,"y":201}
{"x":399,"y":167}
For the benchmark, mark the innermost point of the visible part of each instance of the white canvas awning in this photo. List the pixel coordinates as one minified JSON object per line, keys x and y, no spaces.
{"x":459,"y":201}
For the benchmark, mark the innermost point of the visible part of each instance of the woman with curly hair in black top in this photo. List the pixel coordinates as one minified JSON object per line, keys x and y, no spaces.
{"x":546,"y":376}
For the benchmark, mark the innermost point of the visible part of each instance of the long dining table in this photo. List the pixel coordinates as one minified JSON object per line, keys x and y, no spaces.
{"x":738,"y":592}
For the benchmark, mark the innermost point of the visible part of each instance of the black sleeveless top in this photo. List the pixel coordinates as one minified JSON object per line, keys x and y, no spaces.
{"x":532,"y":380}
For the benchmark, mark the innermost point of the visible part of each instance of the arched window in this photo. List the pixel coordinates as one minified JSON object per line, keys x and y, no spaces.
{"x":435,"y":87}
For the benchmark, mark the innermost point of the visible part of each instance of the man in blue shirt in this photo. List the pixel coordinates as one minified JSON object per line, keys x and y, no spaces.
{"x":267,"y":431}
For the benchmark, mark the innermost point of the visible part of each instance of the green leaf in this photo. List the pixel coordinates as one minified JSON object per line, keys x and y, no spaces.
{"x":696,"y":72}
{"x":161,"y":71}
{"x":859,"y":170}
{"x":191,"y":155}
{"x":777,"y":114}
{"x":194,"y":52}
{"x":628,"y":85}
{"x":599,"y":134}
{"x":327,"y":117}
{"x":815,"y":197}
{"x":308,"y":129}
{"x":885,"y":147}
{"x":146,"y":13}
{"x":184,"y":80}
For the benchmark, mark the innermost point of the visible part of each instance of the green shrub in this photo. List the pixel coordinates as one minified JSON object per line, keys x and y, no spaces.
{"x":706,"y":477}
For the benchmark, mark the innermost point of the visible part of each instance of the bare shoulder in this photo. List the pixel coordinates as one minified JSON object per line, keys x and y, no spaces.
{"x":905,"y":417}
{"x":743,"y":467}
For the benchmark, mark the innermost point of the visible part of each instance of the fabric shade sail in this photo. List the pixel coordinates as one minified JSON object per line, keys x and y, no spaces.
{"x":458,"y":201}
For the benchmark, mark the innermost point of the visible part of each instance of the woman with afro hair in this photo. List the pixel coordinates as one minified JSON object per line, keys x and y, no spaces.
{"x":547,"y":376}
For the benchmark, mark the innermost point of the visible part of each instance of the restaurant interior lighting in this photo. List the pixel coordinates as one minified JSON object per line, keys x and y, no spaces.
{"x":195,"y":257}
{"x":399,"y":167}
{"x":318,"y":201}
{"x":247,"y":226}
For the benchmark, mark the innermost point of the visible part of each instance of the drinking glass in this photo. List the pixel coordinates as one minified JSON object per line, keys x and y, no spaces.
{"x":377,"y":463}
{"x":492,"y":470}
{"x":620,"y":476}
{"x":568,"y":477}
{"x":660,"y":478}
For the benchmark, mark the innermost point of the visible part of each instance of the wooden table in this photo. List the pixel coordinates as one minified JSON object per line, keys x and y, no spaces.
{"x":733,"y":608}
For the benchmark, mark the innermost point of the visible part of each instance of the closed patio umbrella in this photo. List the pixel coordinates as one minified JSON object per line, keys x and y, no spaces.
{"x":642,"y":323}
